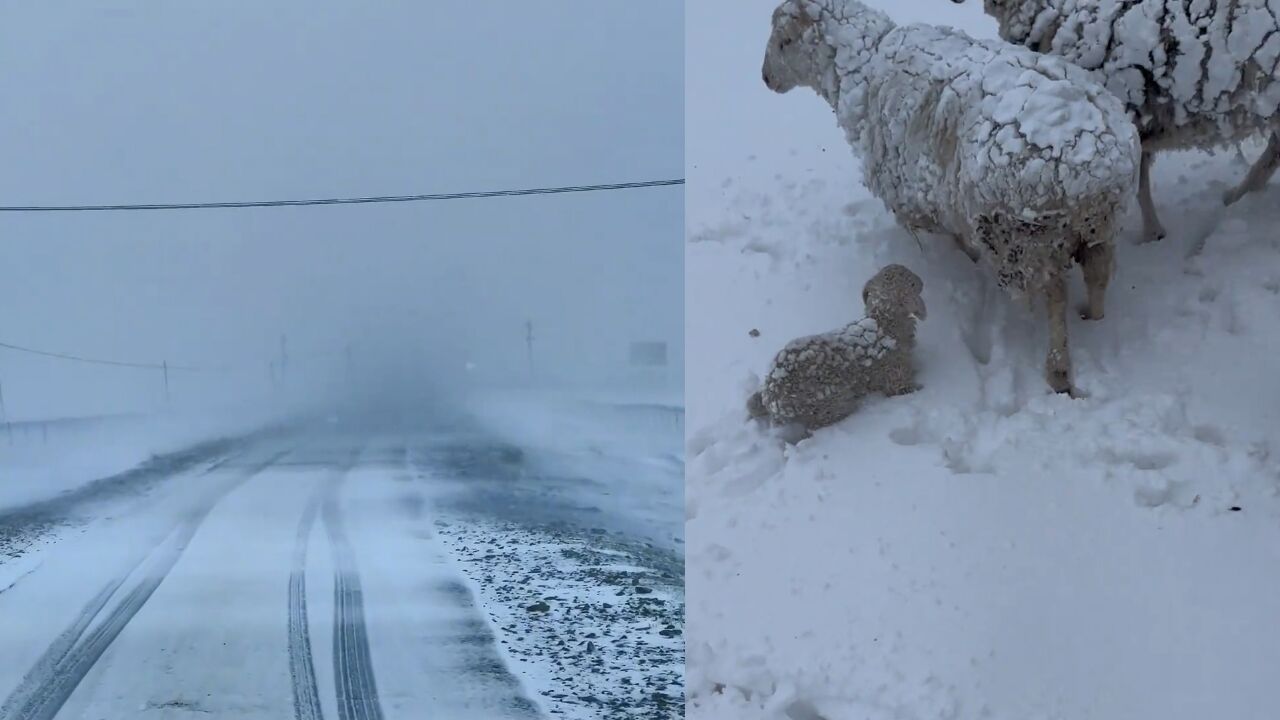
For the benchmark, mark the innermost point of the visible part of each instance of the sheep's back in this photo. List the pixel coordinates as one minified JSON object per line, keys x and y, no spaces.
{"x":958,"y":124}
{"x":1195,"y":69}
{"x":971,"y":137}
{"x":825,"y":370}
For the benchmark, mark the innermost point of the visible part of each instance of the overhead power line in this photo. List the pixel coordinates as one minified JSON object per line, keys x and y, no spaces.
{"x":147,"y":366}
{"x":346,"y":200}
{"x":98,"y":361}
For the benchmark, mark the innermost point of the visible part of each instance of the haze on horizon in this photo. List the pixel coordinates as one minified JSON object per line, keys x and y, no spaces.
{"x":132,"y":102}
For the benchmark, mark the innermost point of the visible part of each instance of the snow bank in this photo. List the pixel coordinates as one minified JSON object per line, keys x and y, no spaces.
{"x":39,"y":460}
{"x":629,"y":444}
{"x":980,"y":548}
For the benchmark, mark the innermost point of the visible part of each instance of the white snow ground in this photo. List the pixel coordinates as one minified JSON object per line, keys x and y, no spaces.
{"x":40,"y":460}
{"x":981,"y":548}
{"x":202,"y":620}
{"x":570,"y":533}
{"x":629,"y":443}
{"x":595,"y":631}
{"x":202,"y":559}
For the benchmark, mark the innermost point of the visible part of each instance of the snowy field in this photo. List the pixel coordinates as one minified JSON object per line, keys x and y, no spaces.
{"x":981,"y":548}
{"x":42,"y":460}
{"x":630,"y":443}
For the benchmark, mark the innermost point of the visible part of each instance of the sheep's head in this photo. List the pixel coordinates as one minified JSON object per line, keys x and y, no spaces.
{"x":895,"y":291}
{"x":793,"y":54}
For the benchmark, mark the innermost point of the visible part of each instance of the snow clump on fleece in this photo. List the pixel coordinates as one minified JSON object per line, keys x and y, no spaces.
{"x":1193,"y":74}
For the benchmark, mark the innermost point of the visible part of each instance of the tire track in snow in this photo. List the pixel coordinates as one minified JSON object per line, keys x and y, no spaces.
{"x":306,"y":693}
{"x":62,"y":645}
{"x":352,"y":666}
{"x":58,"y":672}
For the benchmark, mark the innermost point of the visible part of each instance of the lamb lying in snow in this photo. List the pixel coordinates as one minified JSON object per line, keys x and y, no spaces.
{"x":818,"y":380}
{"x":1023,"y":158}
{"x":1193,"y":73}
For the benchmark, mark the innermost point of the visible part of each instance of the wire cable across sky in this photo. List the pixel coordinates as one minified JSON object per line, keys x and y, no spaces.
{"x":347,"y":200}
{"x":292,"y":203}
{"x":152,"y":365}
{"x":98,"y":361}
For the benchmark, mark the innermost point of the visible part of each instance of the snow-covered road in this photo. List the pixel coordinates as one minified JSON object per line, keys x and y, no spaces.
{"x":314,"y":575}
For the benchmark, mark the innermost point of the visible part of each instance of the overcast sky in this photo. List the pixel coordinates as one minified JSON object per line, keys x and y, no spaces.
{"x":128,"y":102}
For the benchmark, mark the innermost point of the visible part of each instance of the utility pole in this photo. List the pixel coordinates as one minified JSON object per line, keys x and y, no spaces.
{"x":350,"y":368}
{"x":165,"y":365}
{"x":284,"y":356}
{"x":4,"y":415}
{"x":528,"y":339}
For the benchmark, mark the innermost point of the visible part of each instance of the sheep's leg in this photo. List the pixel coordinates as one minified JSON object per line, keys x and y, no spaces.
{"x":1058,"y":363}
{"x":968,"y":249}
{"x":794,"y":432}
{"x":903,"y":388}
{"x":901,"y":379}
{"x":1259,"y":174}
{"x":1151,"y":227}
{"x":1096,"y":263}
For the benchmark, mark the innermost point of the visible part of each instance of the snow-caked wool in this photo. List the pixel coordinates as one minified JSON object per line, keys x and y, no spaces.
{"x":1192,"y":73}
{"x":1023,"y":157}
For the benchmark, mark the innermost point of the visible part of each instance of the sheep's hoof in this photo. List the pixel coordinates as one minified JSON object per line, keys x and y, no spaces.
{"x":1086,"y":314}
{"x":904,"y":390}
{"x":1059,"y":380}
{"x":794,"y":433}
{"x":1235,"y":194}
{"x":1151,"y":235}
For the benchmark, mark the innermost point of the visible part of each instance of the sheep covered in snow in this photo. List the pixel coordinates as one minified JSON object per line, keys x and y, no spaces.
{"x":1023,"y":158}
{"x":821,"y":379}
{"x":1193,"y":73}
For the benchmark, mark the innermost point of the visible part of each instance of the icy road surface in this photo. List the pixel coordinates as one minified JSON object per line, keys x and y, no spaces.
{"x":337,"y":574}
